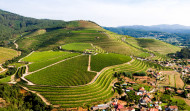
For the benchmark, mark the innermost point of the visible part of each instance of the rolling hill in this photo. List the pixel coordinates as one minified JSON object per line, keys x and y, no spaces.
{"x":7,"y":54}
{"x":153,"y":45}
{"x":59,"y":69}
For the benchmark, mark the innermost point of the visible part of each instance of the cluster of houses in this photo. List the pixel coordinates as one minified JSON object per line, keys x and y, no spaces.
{"x":145,"y":103}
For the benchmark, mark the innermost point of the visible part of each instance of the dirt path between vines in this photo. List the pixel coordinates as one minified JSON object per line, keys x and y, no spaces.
{"x":26,"y":56}
{"x":16,"y":45}
{"x":89,"y":65}
{"x":92,"y":81}
{"x":2,"y":69}
{"x":28,"y":73}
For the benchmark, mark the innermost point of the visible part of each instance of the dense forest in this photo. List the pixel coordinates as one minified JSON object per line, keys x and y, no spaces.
{"x":12,"y":24}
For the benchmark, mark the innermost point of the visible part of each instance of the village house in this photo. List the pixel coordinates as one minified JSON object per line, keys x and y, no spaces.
{"x":151,"y":83}
{"x":119,"y":107}
{"x":100,"y":107}
{"x":141,"y":89}
{"x":187,"y":87}
{"x":138,"y":93}
{"x":158,"y":75}
{"x":171,"y":108}
{"x":152,"y":109}
{"x":131,"y":82}
{"x":129,"y":89}
{"x":188,"y":95}
{"x":179,"y":91}
{"x":145,"y":100}
{"x":127,"y":109}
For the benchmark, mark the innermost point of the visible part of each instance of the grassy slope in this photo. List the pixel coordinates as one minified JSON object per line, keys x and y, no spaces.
{"x":39,"y":65}
{"x":7,"y":54}
{"x":98,"y":62}
{"x":43,"y":56}
{"x":68,"y":73}
{"x":87,"y":32}
{"x":77,"y":46}
{"x":153,"y":45}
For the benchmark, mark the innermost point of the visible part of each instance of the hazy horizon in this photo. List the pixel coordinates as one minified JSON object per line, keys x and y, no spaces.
{"x":105,"y":13}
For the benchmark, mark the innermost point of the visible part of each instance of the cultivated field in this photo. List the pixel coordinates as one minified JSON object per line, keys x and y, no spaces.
{"x":153,"y":45}
{"x":99,"y":61}
{"x":77,"y":46}
{"x":71,"y":72}
{"x":91,"y":33}
{"x":38,"y":65}
{"x":7,"y":54}
{"x":172,"y":79}
{"x":98,"y":91}
{"x":43,"y":56}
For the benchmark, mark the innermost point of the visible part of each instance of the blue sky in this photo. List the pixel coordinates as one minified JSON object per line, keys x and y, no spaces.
{"x":105,"y":12}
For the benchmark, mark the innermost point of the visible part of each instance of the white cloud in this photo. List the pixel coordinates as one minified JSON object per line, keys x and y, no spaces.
{"x":105,"y":12}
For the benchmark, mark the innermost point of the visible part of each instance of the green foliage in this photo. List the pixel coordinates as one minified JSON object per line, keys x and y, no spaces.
{"x":140,"y":74}
{"x":14,"y":24}
{"x":15,"y":101}
{"x":98,"y":91}
{"x":44,"y":56}
{"x":183,"y":54}
{"x":7,"y":54}
{"x":100,"y":61}
{"x":67,"y":73}
{"x":20,"y":72}
{"x":127,"y":74}
{"x":77,"y":47}
{"x":180,"y":103}
{"x":131,"y":97}
{"x":38,"y":65}
{"x":165,"y":98}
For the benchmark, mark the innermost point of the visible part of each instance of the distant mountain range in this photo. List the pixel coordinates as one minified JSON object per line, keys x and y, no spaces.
{"x":176,"y":28}
{"x":173,"y":34}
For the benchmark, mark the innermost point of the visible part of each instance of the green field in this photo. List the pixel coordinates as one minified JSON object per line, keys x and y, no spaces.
{"x":100,"y":61}
{"x":71,"y":72}
{"x":88,"y":33}
{"x":38,"y":65}
{"x":154,"y":45}
{"x":6,"y":79}
{"x":77,"y":46}
{"x":43,"y":56}
{"x":7,"y":54}
{"x":99,"y":91}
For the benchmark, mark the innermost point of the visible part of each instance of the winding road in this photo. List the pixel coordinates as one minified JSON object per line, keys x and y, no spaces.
{"x":2,"y":69}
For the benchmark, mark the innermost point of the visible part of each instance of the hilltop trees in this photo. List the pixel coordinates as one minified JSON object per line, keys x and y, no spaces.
{"x":11,"y":24}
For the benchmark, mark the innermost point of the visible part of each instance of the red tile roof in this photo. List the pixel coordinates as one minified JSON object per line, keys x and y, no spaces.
{"x":130,"y":88}
{"x":173,"y":107}
{"x":152,"y":109}
{"x":141,"y":89}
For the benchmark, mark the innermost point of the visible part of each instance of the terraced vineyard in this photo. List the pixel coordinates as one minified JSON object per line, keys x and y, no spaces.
{"x":98,"y":91}
{"x":77,"y":46}
{"x":99,"y":61}
{"x":160,"y":57}
{"x":153,"y":45}
{"x":38,"y":65}
{"x":71,"y":72}
{"x":7,"y":54}
{"x":43,"y":56}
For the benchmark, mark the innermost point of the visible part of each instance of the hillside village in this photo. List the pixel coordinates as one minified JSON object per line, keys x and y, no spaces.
{"x":149,"y":98}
